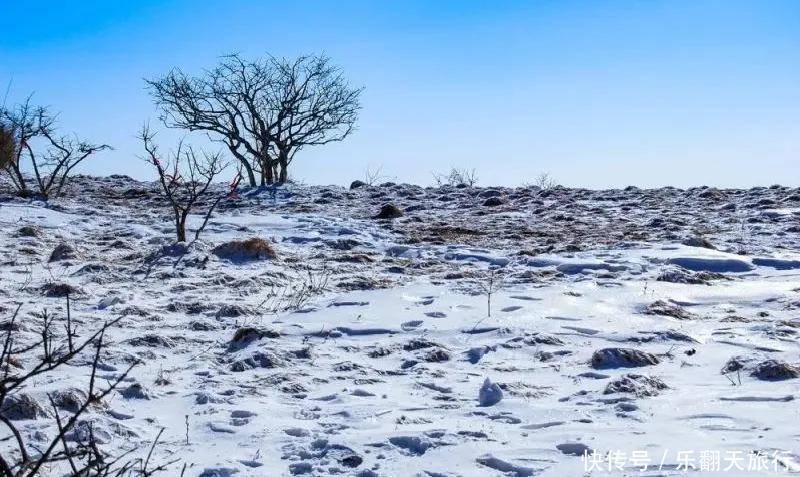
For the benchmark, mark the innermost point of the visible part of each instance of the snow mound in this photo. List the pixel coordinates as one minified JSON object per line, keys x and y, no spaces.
{"x":715,"y":265}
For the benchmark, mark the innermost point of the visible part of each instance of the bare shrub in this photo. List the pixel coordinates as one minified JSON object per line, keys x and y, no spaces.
{"x":544,"y":181}
{"x":297,"y":291}
{"x":185,"y":181}
{"x":35,"y":141}
{"x":49,"y":352}
{"x":373,"y":176}
{"x":457,"y":177}
{"x":8,"y":145}
{"x":492,"y":283}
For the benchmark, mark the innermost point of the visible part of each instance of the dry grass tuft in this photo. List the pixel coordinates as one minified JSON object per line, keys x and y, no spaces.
{"x":242,"y":250}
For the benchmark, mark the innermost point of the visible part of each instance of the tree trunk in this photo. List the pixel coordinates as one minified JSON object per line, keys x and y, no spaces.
{"x":284,"y":172}
{"x":251,"y":177}
{"x":267,"y":174}
{"x":22,"y":187}
{"x":283,"y":161}
{"x":180,"y":226}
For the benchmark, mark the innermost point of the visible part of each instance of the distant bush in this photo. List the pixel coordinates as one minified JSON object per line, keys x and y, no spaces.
{"x":543,"y":181}
{"x":457,"y":178}
{"x":30,"y":132}
{"x":373,"y":176}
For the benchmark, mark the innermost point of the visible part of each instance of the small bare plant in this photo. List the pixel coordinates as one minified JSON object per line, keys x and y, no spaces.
{"x":46,"y":354}
{"x":743,"y":237}
{"x":34,"y":140}
{"x":544,"y":181}
{"x":492,"y":283}
{"x":457,"y":178}
{"x":297,"y":291}
{"x":185,"y":181}
{"x":373,"y":176}
{"x":738,"y":378}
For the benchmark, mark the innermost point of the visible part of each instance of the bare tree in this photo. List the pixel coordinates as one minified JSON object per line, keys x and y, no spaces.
{"x":263,"y":110}
{"x":51,"y":157}
{"x":316,"y":106}
{"x":186,"y":180}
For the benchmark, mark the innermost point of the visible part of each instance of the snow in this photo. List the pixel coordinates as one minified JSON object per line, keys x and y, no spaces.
{"x":407,"y":374}
{"x":717,"y":265}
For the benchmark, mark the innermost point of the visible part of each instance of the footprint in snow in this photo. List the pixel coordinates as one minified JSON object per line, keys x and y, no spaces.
{"x":436,"y":314}
{"x":361,"y":393}
{"x":411,"y":325}
{"x":348,"y":303}
{"x":505,"y":418}
{"x":562,"y":318}
{"x":507,"y":468}
{"x":296,"y":432}
{"x":524,"y":297}
{"x":223,"y":428}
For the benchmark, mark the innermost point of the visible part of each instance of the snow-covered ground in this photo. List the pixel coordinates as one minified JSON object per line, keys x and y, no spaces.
{"x":611,"y":322}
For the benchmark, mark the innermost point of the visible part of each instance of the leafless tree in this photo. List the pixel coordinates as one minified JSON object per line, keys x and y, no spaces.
{"x":263,"y":110}
{"x":186,"y":179}
{"x":50,"y":156}
{"x":316,"y":106}
{"x":46,"y":354}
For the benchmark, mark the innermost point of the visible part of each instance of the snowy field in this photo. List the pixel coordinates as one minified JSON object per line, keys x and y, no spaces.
{"x":652,"y":330}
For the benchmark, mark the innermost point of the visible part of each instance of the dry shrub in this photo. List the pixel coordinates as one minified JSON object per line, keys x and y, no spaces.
{"x":58,"y":345}
{"x":7,"y":146}
{"x":254,"y":248}
{"x":457,"y":178}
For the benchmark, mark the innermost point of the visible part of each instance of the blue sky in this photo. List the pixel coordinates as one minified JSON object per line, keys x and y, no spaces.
{"x":597,"y":93}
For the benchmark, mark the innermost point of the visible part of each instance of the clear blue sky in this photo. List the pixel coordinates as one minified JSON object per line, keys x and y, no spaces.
{"x":598,"y":93}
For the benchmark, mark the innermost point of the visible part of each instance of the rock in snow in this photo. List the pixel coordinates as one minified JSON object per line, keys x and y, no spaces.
{"x":389,"y":211}
{"x":489,"y":393}
{"x":609,"y":358}
{"x":774,"y":370}
{"x":640,"y":386}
